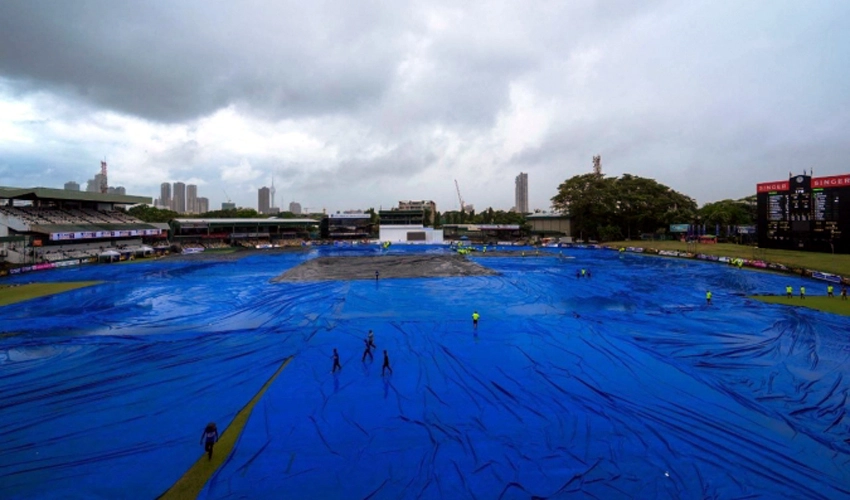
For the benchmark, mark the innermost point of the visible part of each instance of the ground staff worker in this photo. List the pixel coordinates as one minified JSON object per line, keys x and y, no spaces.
{"x":802,"y":292}
{"x":830,"y":291}
{"x":708,"y":297}
{"x":475,"y":317}
{"x":789,"y":291}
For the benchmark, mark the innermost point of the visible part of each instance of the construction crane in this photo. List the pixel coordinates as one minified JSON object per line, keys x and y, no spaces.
{"x":460,"y":198}
{"x":226,"y":195}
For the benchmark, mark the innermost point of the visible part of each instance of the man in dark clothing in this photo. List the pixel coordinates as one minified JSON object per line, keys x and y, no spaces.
{"x":368,"y":351}
{"x":386,"y":363}
{"x":209,"y":437}
{"x":336,"y":362}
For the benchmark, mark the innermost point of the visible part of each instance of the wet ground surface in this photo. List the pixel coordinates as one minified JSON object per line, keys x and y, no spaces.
{"x":386,"y":266}
{"x":625,"y":385}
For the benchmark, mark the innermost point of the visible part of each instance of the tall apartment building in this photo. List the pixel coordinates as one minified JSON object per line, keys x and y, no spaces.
{"x":203,"y":205}
{"x":93,"y":185}
{"x":192,"y":199}
{"x":419,"y":205}
{"x":521,"y":193}
{"x":117,"y":190}
{"x":263,"y":200}
{"x":295,"y":207}
{"x":178,"y":203}
{"x":165,"y":195}
{"x":228,"y":205}
{"x":72,"y":186}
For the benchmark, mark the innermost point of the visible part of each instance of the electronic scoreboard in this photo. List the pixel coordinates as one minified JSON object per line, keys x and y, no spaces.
{"x":805,"y":213}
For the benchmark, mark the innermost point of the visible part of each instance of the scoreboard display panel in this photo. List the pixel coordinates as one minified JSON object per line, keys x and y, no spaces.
{"x":805,"y":213}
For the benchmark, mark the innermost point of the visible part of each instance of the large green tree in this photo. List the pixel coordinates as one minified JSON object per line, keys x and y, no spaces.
{"x":148,"y":213}
{"x":608,"y":208}
{"x":726,"y":212}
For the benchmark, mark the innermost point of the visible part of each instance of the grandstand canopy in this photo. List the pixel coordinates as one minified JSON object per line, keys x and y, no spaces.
{"x":243,"y":222}
{"x":83,"y":227}
{"x":42,"y":193}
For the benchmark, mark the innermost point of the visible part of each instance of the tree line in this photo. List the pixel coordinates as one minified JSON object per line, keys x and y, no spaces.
{"x":615,"y":208}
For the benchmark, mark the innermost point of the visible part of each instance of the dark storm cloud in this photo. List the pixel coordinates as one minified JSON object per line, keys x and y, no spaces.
{"x":347,"y":102}
{"x":176,"y":61}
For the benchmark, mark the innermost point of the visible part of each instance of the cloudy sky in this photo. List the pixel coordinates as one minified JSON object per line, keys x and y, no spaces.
{"x":361,"y":104}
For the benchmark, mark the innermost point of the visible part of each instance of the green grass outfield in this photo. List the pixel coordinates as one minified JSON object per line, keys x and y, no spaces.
{"x":826,"y":262}
{"x":20,"y":293}
{"x":820,"y":303}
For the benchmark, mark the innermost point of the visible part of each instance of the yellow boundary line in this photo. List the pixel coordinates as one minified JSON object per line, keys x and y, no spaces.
{"x":193,"y":481}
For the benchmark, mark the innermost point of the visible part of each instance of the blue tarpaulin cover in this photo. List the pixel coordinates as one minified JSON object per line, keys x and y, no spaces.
{"x":623,"y":385}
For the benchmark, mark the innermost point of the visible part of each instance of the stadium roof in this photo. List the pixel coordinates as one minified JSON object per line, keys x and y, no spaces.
{"x":42,"y":193}
{"x":548,"y":216}
{"x":238,"y":221}
{"x":84,"y":227}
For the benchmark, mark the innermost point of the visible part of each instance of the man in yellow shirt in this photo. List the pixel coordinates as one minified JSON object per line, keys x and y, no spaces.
{"x":475,"y":317}
{"x":830,"y":291}
{"x":789,"y":291}
{"x":708,"y":297}
{"x":802,"y":292}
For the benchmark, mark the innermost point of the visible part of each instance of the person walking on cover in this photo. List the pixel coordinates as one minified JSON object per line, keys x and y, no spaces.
{"x":368,"y":351}
{"x":789,"y":291}
{"x":386,"y":363}
{"x":208,"y":438}
{"x":371,"y":339}
{"x":336,"y":362}
{"x":802,"y":292}
{"x":475,"y":317}
{"x":830,"y":291}
{"x":708,"y":297}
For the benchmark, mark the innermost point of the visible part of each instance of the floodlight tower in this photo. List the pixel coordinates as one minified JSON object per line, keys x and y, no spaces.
{"x":272,"y":191}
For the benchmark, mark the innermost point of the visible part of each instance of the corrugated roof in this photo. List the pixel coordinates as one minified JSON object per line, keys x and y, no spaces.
{"x":237,"y":221}
{"x":82,"y":228}
{"x":548,"y":216}
{"x":42,"y":193}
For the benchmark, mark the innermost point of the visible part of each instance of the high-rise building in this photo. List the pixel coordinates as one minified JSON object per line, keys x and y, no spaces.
{"x":203,"y":205}
{"x":117,"y":190}
{"x":179,"y":201}
{"x":428,"y":205}
{"x":228,"y":205}
{"x":521,"y":193}
{"x":72,"y":186}
{"x":295,"y":207}
{"x":263,"y":200}
{"x":165,"y":195}
{"x":192,"y":199}
{"x":273,"y":191}
{"x":94,"y":185}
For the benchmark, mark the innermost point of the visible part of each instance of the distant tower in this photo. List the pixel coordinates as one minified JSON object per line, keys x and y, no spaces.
{"x":521,"y":193}
{"x":178,"y":200}
{"x":263,"y":200}
{"x":272,"y":191}
{"x":597,"y":165}
{"x":104,"y":185}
